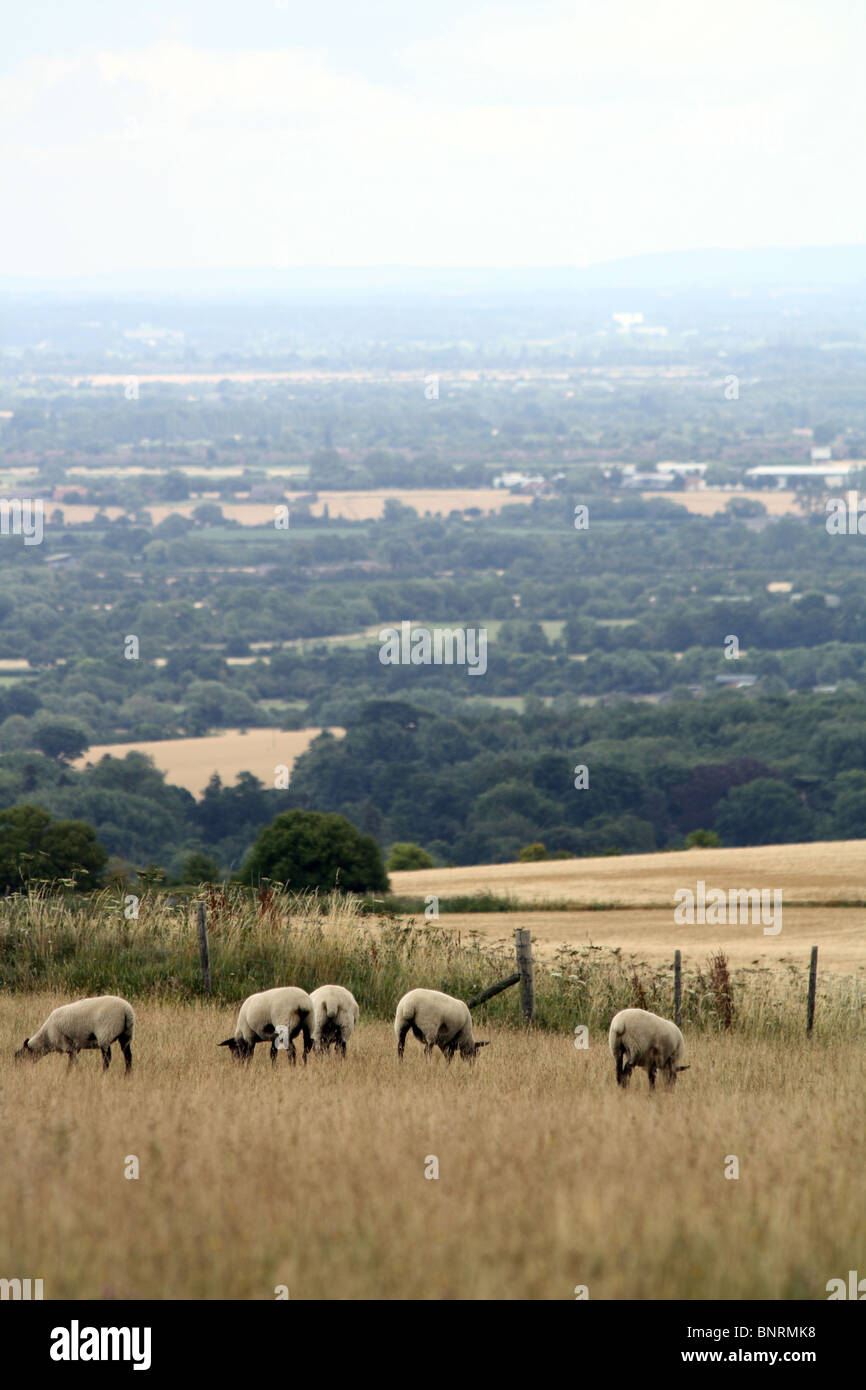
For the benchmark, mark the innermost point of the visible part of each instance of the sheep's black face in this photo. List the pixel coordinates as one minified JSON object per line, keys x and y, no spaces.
{"x":24,"y":1053}
{"x":234,"y":1047}
{"x":474,"y":1051}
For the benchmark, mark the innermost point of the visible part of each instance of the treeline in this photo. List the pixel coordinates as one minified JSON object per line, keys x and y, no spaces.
{"x":477,"y":785}
{"x":474,"y":788}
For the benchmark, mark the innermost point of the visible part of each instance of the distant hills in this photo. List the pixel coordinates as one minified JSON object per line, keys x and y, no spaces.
{"x":800,"y":267}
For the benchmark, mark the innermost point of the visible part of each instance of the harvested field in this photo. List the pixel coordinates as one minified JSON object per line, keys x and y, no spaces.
{"x":191,"y":762}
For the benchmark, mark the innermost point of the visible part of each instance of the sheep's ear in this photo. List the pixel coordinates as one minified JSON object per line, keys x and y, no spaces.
{"x":227,"y":1042}
{"x":685,"y":1068}
{"x":482,"y":1044}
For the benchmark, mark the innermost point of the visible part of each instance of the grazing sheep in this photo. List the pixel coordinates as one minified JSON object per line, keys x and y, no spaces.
{"x":640,"y":1039}
{"x":437,"y":1020}
{"x":88,"y":1023}
{"x":335,"y":1013}
{"x":262,"y":1014}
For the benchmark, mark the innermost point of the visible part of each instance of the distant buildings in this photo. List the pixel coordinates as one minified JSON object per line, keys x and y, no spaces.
{"x":830,"y":474}
{"x":529,"y":484}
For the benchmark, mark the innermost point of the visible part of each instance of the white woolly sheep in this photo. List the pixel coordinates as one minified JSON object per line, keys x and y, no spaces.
{"x":262,"y":1014}
{"x":86,"y":1024}
{"x":335,"y":1013}
{"x":640,"y":1039}
{"x":436,"y":1020}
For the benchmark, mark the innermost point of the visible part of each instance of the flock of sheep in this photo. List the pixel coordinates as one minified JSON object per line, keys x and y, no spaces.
{"x":328,"y":1016}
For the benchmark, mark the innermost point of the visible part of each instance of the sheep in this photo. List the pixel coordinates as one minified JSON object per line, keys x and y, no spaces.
{"x":335,"y":1013}
{"x":261,"y":1015}
{"x":638,"y":1038}
{"x":88,"y":1023}
{"x":437,"y":1020}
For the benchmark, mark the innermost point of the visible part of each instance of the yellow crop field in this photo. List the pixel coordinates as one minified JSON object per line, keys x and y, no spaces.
{"x":191,"y":762}
{"x":521,"y":1177}
{"x":652,"y":936}
{"x":351,"y":506}
{"x":820,"y":872}
{"x":708,"y":501}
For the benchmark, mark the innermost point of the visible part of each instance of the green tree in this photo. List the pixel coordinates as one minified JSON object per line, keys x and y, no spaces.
{"x":59,"y":737}
{"x":316,"y":849}
{"x":405,"y":855}
{"x":702,"y":839}
{"x":530,"y":853}
{"x":763,"y":812}
{"x":35,"y":846}
{"x":197,"y":867}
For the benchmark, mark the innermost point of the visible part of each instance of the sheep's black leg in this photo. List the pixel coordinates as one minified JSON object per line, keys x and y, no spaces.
{"x":651,"y":1073}
{"x":273,"y":1051}
{"x":341,"y":1044}
{"x":106,"y":1057}
{"x":401,"y":1040}
{"x":127,"y":1053}
{"x":308,"y":1042}
{"x":623,"y":1071}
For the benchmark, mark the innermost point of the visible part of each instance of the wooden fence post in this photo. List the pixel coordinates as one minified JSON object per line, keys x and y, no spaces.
{"x":494,"y":989}
{"x":523,"y":943}
{"x":678,"y":988}
{"x":813,"y":980}
{"x":203,"y":948}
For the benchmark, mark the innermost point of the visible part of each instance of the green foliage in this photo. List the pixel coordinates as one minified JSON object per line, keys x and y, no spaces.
{"x":702,"y":839}
{"x":406,"y":855}
{"x":763,"y":812}
{"x":199,"y":868}
{"x":530,"y":853}
{"x":59,"y":737}
{"x":35,"y":847}
{"x":311,"y":850}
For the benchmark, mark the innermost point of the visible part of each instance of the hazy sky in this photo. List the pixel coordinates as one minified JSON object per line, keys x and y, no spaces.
{"x":259,"y":133}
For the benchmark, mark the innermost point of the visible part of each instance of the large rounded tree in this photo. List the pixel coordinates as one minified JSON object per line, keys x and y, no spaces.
{"x":35,"y":846}
{"x":316,"y":849}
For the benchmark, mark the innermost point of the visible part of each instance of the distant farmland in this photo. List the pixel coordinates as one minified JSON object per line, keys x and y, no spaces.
{"x":347,"y":506}
{"x":191,"y":762}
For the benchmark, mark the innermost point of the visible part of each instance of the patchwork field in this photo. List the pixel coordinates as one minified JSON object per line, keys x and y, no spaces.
{"x":549,"y":1177}
{"x":191,"y":762}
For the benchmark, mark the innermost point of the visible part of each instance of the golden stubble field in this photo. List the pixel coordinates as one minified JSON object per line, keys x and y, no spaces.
{"x":821,"y":872}
{"x":191,"y":762}
{"x":549,"y":1176}
{"x":817,"y":877}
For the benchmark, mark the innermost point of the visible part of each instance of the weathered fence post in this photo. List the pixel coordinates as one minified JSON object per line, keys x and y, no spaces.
{"x":813,"y":980}
{"x":486,"y":994}
{"x":523,"y":943}
{"x":678,"y":988}
{"x":203,"y":948}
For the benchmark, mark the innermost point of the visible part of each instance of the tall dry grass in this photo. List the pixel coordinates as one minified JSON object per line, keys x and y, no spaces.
{"x":77,"y":947}
{"x":549,"y":1176}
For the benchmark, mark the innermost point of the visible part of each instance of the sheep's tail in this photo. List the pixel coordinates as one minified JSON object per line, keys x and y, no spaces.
{"x":129,"y":1020}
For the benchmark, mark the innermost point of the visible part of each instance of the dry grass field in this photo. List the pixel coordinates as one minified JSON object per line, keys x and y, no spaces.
{"x":652,"y":936}
{"x":549,"y":1176}
{"x":826,"y":872}
{"x":191,"y":762}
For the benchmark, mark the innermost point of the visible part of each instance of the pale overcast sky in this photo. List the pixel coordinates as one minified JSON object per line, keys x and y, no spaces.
{"x":214,"y":133}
